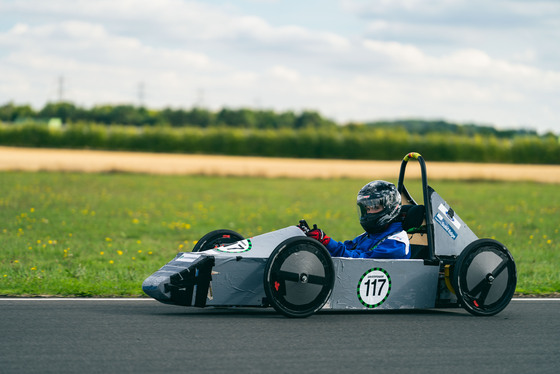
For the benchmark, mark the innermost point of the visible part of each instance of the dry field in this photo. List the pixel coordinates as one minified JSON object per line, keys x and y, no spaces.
{"x":35,"y":159}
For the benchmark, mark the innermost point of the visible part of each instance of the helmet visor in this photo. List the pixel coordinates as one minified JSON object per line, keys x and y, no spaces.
{"x":370,"y":206}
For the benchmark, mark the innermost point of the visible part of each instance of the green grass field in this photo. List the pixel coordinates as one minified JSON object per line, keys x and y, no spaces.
{"x":72,"y":234}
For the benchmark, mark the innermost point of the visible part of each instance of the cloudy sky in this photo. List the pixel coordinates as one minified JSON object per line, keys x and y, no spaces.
{"x":488,"y":62}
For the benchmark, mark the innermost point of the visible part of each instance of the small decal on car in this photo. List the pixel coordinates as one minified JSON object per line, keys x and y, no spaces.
{"x":237,"y":247}
{"x":374,"y":287}
{"x":445,"y":226}
{"x":450,"y":215}
{"x":187,"y":257}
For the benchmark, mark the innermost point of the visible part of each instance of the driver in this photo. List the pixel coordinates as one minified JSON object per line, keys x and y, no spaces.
{"x":379,"y":205}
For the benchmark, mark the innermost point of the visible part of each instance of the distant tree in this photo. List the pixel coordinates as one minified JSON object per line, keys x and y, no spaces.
{"x":100,"y":114}
{"x":312,"y":119}
{"x":122,"y":115}
{"x":10,"y":112}
{"x":286,"y":120}
{"x":200,"y":117}
{"x":423,"y":127}
{"x":66,"y":111}
{"x":128,"y":115}
{"x":236,"y":118}
{"x":266,"y":119}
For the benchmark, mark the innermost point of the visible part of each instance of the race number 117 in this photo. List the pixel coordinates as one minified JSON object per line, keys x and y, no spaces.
{"x":372,"y":285}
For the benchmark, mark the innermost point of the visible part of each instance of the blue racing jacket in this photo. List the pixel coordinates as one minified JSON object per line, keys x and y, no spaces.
{"x":391,"y":243}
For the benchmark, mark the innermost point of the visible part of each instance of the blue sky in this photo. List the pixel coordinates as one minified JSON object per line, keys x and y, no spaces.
{"x":488,"y":62}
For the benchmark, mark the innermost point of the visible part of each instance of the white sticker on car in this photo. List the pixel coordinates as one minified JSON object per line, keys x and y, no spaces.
{"x":188,"y":257}
{"x":237,"y":247}
{"x":374,"y":287}
{"x":451,"y":218}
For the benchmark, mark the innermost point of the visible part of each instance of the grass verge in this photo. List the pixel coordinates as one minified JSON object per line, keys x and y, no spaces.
{"x":74,"y":234}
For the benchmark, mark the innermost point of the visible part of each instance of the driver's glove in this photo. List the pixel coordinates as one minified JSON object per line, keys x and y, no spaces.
{"x":319,"y":235}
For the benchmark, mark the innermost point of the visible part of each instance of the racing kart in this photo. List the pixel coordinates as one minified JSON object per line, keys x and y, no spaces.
{"x":449,"y":267}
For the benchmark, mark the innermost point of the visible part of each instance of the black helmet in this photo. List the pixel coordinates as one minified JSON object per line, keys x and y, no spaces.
{"x":379,"y":203}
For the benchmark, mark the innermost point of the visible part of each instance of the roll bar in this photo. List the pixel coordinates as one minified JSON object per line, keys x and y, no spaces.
{"x":426,"y":195}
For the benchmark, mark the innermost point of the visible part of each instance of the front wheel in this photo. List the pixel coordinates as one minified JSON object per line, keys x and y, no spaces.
{"x":216,"y":238}
{"x":299,"y":277}
{"x":485,"y":277}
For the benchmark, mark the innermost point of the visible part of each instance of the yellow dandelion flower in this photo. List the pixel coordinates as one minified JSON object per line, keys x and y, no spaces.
{"x":108,"y":239}
{"x":139,"y":251}
{"x":548,"y":241}
{"x":150,"y":252}
{"x":101,"y":253}
{"x":39,"y":241}
{"x":70,"y":234}
{"x":34,"y":268}
{"x":120,"y":253}
{"x":111,"y":261}
{"x":139,"y":242}
{"x":133,"y":258}
{"x":135,"y":221}
{"x":32,"y":210}
{"x":16,"y":261}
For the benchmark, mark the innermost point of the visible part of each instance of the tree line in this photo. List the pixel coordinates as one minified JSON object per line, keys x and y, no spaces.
{"x":140,"y":116}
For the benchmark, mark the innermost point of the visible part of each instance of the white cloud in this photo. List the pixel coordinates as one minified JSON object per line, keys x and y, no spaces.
{"x":409,"y":60}
{"x":284,"y":73}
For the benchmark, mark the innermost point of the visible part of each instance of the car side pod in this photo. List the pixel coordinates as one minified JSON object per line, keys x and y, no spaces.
{"x":299,"y":277}
{"x":484,"y":277}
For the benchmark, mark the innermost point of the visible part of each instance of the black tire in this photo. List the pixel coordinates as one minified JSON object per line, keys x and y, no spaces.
{"x":484,"y":277}
{"x":215,"y":239}
{"x":299,"y":277}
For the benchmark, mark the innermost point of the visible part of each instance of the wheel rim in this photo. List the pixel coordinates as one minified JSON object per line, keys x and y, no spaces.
{"x":486,"y":277}
{"x":299,"y":278}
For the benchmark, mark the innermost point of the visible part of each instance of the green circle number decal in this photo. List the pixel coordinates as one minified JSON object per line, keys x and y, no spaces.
{"x":237,"y":247}
{"x":374,"y":287}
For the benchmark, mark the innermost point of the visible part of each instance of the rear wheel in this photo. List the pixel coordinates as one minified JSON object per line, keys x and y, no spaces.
{"x":484,"y":277}
{"x":215,"y":239}
{"x":299,"y":277}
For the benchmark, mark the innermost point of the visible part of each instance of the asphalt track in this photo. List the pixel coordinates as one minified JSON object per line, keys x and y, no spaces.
{"x":144,"y":336}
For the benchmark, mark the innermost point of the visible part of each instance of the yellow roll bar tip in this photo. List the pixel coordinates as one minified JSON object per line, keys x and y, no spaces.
{"x":413,"y":155}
